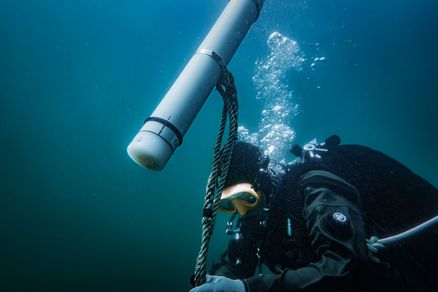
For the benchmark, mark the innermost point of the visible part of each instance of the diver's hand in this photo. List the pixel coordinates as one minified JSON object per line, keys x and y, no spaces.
{"x":220,"y":284}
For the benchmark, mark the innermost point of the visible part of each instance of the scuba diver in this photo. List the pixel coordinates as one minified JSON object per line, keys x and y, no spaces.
{"x":317,"y":226}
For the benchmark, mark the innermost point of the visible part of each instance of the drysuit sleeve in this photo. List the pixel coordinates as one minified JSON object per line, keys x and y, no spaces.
{"x":240,"y":259}
{"x":333,"y":215}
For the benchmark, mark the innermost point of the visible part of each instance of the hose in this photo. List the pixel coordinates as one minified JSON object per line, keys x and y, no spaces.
{"x":375,"y":244}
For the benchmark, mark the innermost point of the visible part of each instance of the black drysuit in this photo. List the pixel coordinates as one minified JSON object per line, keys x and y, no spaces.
{"x":312,"y":232}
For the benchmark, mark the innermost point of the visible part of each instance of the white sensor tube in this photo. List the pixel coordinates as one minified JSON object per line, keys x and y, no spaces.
{"x":162,"y":133}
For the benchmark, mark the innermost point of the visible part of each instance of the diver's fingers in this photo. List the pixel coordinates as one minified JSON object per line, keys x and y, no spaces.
{"x":379,"y":245}
{"x":207,"y":287}
{"x":372,"y":248}
{"x":374,"y":259}
{"x":373,"y":239}
{"x":212,"y":279}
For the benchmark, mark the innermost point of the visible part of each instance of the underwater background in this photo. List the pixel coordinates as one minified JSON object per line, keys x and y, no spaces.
{"x":78,"y":78}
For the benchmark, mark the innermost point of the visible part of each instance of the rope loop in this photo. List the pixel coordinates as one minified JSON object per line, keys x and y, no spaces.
{"x":221,"y":161}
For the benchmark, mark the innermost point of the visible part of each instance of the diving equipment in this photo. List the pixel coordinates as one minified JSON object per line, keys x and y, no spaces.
{"x":163,"y":132}
{"x":375,"y":244}
{"x":241,"y":198}
{"x":313,"y":149}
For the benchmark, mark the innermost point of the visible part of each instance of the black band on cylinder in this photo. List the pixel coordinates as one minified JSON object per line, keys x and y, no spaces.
{"x":168,"y":124}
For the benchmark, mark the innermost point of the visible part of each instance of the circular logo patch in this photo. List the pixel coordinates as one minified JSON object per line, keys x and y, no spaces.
{"x":339,"y":217}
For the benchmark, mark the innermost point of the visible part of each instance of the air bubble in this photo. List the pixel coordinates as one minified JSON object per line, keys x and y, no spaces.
{"x":275,"y":135}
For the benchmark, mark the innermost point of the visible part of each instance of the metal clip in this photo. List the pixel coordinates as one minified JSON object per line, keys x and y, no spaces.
{"x":215,"y":56}
{"x":312,"y":147}
{"x":231,"y":226}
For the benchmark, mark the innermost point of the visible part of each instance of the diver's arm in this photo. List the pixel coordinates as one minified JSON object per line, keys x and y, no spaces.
{"x":240,"y":259}
{"x":234,"y":270}
{"x":332,"y":210}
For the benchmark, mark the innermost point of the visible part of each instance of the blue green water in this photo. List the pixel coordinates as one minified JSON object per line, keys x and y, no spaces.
{"x":77,"y":79}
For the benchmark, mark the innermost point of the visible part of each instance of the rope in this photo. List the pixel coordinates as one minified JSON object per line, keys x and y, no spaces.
{"x":221,"y":162}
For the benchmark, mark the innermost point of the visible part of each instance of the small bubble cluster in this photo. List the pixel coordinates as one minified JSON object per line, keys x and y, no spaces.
{"x":275,"y":133}
{"x":316,"y":60}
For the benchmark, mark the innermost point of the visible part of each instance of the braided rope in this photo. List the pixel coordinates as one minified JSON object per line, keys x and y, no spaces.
{"x":221,"y":162}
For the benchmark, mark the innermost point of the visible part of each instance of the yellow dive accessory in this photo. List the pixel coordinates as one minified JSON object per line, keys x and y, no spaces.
{"x":240,"y":197}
